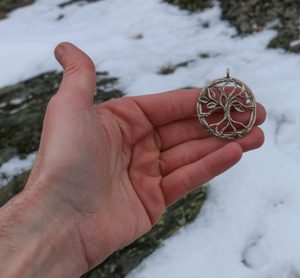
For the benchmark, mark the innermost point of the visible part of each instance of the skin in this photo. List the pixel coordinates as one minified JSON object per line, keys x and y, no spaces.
{"x":104,"y":174}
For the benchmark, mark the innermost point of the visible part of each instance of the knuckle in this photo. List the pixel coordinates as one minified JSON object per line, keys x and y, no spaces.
{"x":52,"y":102}
{"x":186,"y":182}
{"x":162,"y":166}
{"x":79,"y":66}
{"x":158,"y":140}
{"x":209,"y":173}
{"x":176,"y":105}
{"x":72,"y":68}
{"x":186,"y":157}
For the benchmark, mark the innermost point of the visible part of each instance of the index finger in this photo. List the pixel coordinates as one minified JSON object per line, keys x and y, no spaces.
{"x":170,"y":106}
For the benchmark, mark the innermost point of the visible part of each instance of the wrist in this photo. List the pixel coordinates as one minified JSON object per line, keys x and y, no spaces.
{"x":38,"y":236}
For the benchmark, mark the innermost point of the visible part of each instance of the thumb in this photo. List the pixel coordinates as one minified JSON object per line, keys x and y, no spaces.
{"x":79,"y":72}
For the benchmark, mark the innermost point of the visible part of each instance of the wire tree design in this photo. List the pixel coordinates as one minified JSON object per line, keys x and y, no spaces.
{"x":220,"y":105}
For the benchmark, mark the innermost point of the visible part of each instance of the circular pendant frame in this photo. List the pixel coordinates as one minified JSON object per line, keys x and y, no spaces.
{"x":227,"y":95}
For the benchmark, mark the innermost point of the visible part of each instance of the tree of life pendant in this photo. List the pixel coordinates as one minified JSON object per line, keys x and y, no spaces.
{"x":226,"y":108}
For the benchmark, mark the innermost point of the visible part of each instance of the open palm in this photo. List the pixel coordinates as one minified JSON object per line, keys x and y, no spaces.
{"x":119,"y":164}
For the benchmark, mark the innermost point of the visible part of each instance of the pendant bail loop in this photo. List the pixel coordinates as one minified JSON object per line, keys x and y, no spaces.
{"x":228,"y":72}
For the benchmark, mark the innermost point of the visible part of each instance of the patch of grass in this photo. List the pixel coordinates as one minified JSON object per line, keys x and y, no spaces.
{"x":204,"y":55}
{"x":71,"y":2}
{"x":191,"y":5}
{"x":249,"y":16}
{"x":169,"y":69}
{"x":6,"y":6}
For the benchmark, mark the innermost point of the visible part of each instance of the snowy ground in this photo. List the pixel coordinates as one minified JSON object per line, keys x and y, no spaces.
{"x":249,"y":226}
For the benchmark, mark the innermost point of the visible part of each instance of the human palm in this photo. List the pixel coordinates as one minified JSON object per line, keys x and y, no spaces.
{"x":119,"y":164}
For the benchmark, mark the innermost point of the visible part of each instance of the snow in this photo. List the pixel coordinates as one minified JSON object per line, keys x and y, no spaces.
{"x":294,"y":43}
{"x":249,"y":224}
{"x":15,"y":166}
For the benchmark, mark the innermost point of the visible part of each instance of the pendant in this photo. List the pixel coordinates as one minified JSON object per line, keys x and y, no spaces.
{"x":226,"y":108}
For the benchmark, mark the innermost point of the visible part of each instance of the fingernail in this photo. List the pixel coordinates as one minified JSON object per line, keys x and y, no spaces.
{"x":60,"y":53}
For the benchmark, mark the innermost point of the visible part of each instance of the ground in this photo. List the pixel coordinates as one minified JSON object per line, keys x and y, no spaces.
{"x":250,"y":213}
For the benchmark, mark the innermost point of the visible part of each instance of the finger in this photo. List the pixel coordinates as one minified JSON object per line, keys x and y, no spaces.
{"x":190,"y":129}
{"x":79,"y":76}
{"x":187,"y":178}
{"x":194,"y":150}
{"x":170,"y":106}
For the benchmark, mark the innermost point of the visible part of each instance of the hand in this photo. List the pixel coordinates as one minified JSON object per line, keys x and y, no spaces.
{"x":116,"y":166}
